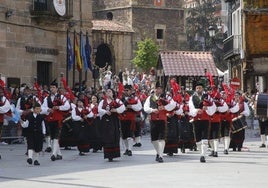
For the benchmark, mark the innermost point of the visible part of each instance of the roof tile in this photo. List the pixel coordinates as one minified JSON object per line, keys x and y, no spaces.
{"x":187,"y":63}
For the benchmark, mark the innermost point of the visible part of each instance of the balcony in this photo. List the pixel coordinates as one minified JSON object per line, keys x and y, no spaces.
{"x":232,"y":46}
{"x":45,"y":9}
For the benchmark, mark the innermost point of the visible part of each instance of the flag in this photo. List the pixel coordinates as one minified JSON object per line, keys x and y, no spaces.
{"x":77,"y":54}
{"x":70,"y":59}
{"x":88,"y":54}
{"x":83,"y":52}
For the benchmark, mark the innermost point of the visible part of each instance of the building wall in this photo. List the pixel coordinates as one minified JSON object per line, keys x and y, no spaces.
{"x":119,"y":44}
{"x":22,"y":30}
{"x":145,"y":17}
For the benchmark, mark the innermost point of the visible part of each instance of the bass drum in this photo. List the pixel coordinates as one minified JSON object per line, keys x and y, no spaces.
{"x":262,"y":105}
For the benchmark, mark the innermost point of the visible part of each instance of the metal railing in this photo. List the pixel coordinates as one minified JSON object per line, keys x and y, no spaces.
{"x":232,"y":46}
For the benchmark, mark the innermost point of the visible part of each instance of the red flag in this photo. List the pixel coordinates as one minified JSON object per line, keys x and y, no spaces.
{"x":39,"y":93}
{"x":210,"y":78}
{"x":175,"y":88}
{"x":120,"y":90}
{"x":67,"y":88}
{"x":6,"y":93}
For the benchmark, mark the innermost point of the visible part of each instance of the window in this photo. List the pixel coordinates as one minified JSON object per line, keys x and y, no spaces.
{"x":40,"y":5}
{"x":159,"y":34}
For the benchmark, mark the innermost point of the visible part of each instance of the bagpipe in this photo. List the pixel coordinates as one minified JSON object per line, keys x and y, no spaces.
{"x":84,"y":112}
{"x":95,"y":110}
{"x":162,"y":101}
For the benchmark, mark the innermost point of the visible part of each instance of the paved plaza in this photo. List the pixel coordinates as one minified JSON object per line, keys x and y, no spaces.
{"x":246,"y":169}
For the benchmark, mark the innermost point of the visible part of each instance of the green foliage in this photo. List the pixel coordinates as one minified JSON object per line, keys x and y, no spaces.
{"x":197,"y":23}
{"x":146,"y":55}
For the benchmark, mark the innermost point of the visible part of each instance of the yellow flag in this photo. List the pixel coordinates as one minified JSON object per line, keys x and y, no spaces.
{"x":77,"y":54}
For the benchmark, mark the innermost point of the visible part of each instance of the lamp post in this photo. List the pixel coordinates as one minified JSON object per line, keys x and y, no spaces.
{"x":211,"y":31}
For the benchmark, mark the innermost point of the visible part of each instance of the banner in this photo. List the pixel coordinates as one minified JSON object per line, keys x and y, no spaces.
{"x":83,"y":52}
{"x":77,"y":54}
{"x":88,"y":53}
{"x":70,"y":59}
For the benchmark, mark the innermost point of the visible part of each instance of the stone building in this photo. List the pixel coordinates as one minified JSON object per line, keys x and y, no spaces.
{"x":33,"y":34}
{"x":246,"y":46}
{"x":161,"y":20}
{"x":33,"y":37}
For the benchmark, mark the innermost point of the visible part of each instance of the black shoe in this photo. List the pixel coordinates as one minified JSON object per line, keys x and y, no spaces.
{"x":29,"y":161}
{"x":157,"y":158}
{"x":215,"y":154}
{"x":59,"y":157}
{"x":48,"y":149}
{"x":81,"y":153}
{"x":137,"y":145}
{"x":160,"y":160}
{"x":211,"y":154}
{"x":36,"y":163}
{"x":53,"y":158}
{"x":234,"y":149}
{"x":67,"y":148}
{"x":183,"y":150}
{"x":94,"y":150}
{"x":239,"y":149}
{"x":202,"y":159}
{"x":126,"y":152}
{"x":170,"y":154}
{"x":262,"y":146}
{"x":129,"y":153}
{"x":225,"y":152}
{"x":110,"y":159}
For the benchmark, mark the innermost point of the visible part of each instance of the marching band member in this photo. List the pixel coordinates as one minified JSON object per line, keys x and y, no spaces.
{"x":263,"y":123}
{"x":80,"y":115}
{"x":215,"y":120}
{"x":157,"y":106}
{"x":4,"y":108}
{"x":110,"y":108}
{"x":225,"y":122}
{"x":128,"y":124}
{"x":239,"y":112}
{"x":186,"y":138}
{"x":35,"y":125}
{"x":200,"y":108}
{"x":54,"y":106}
{"x":172,"y":139}
{"x":140,"y":121}
{"x":25,"y":104}
{"x":95,"y":127}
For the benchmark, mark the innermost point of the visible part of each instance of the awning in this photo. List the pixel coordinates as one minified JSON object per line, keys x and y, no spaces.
{"x":187,"y":63}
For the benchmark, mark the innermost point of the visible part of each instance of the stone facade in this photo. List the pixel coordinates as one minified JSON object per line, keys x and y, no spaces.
{"x":34,"y":44}
{"x":145,"y":18}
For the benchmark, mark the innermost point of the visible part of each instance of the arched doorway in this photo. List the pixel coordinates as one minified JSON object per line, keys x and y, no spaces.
{"x":104,"y":56}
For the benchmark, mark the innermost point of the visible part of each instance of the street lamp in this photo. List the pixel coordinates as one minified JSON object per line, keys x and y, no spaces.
{"x":211,"y":31}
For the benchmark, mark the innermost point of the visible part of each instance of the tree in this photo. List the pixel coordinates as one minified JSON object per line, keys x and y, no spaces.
{"x":197,"y":23}
{"x":146,"y":55}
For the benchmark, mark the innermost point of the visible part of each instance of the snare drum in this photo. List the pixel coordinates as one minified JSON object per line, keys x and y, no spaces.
{"x":238,"y":124}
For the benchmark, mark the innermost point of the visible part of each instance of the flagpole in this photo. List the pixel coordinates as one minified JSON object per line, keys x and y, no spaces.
{"x":67,"y":58}
{"x":80,"y":71}
{"x":74,"y":61}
